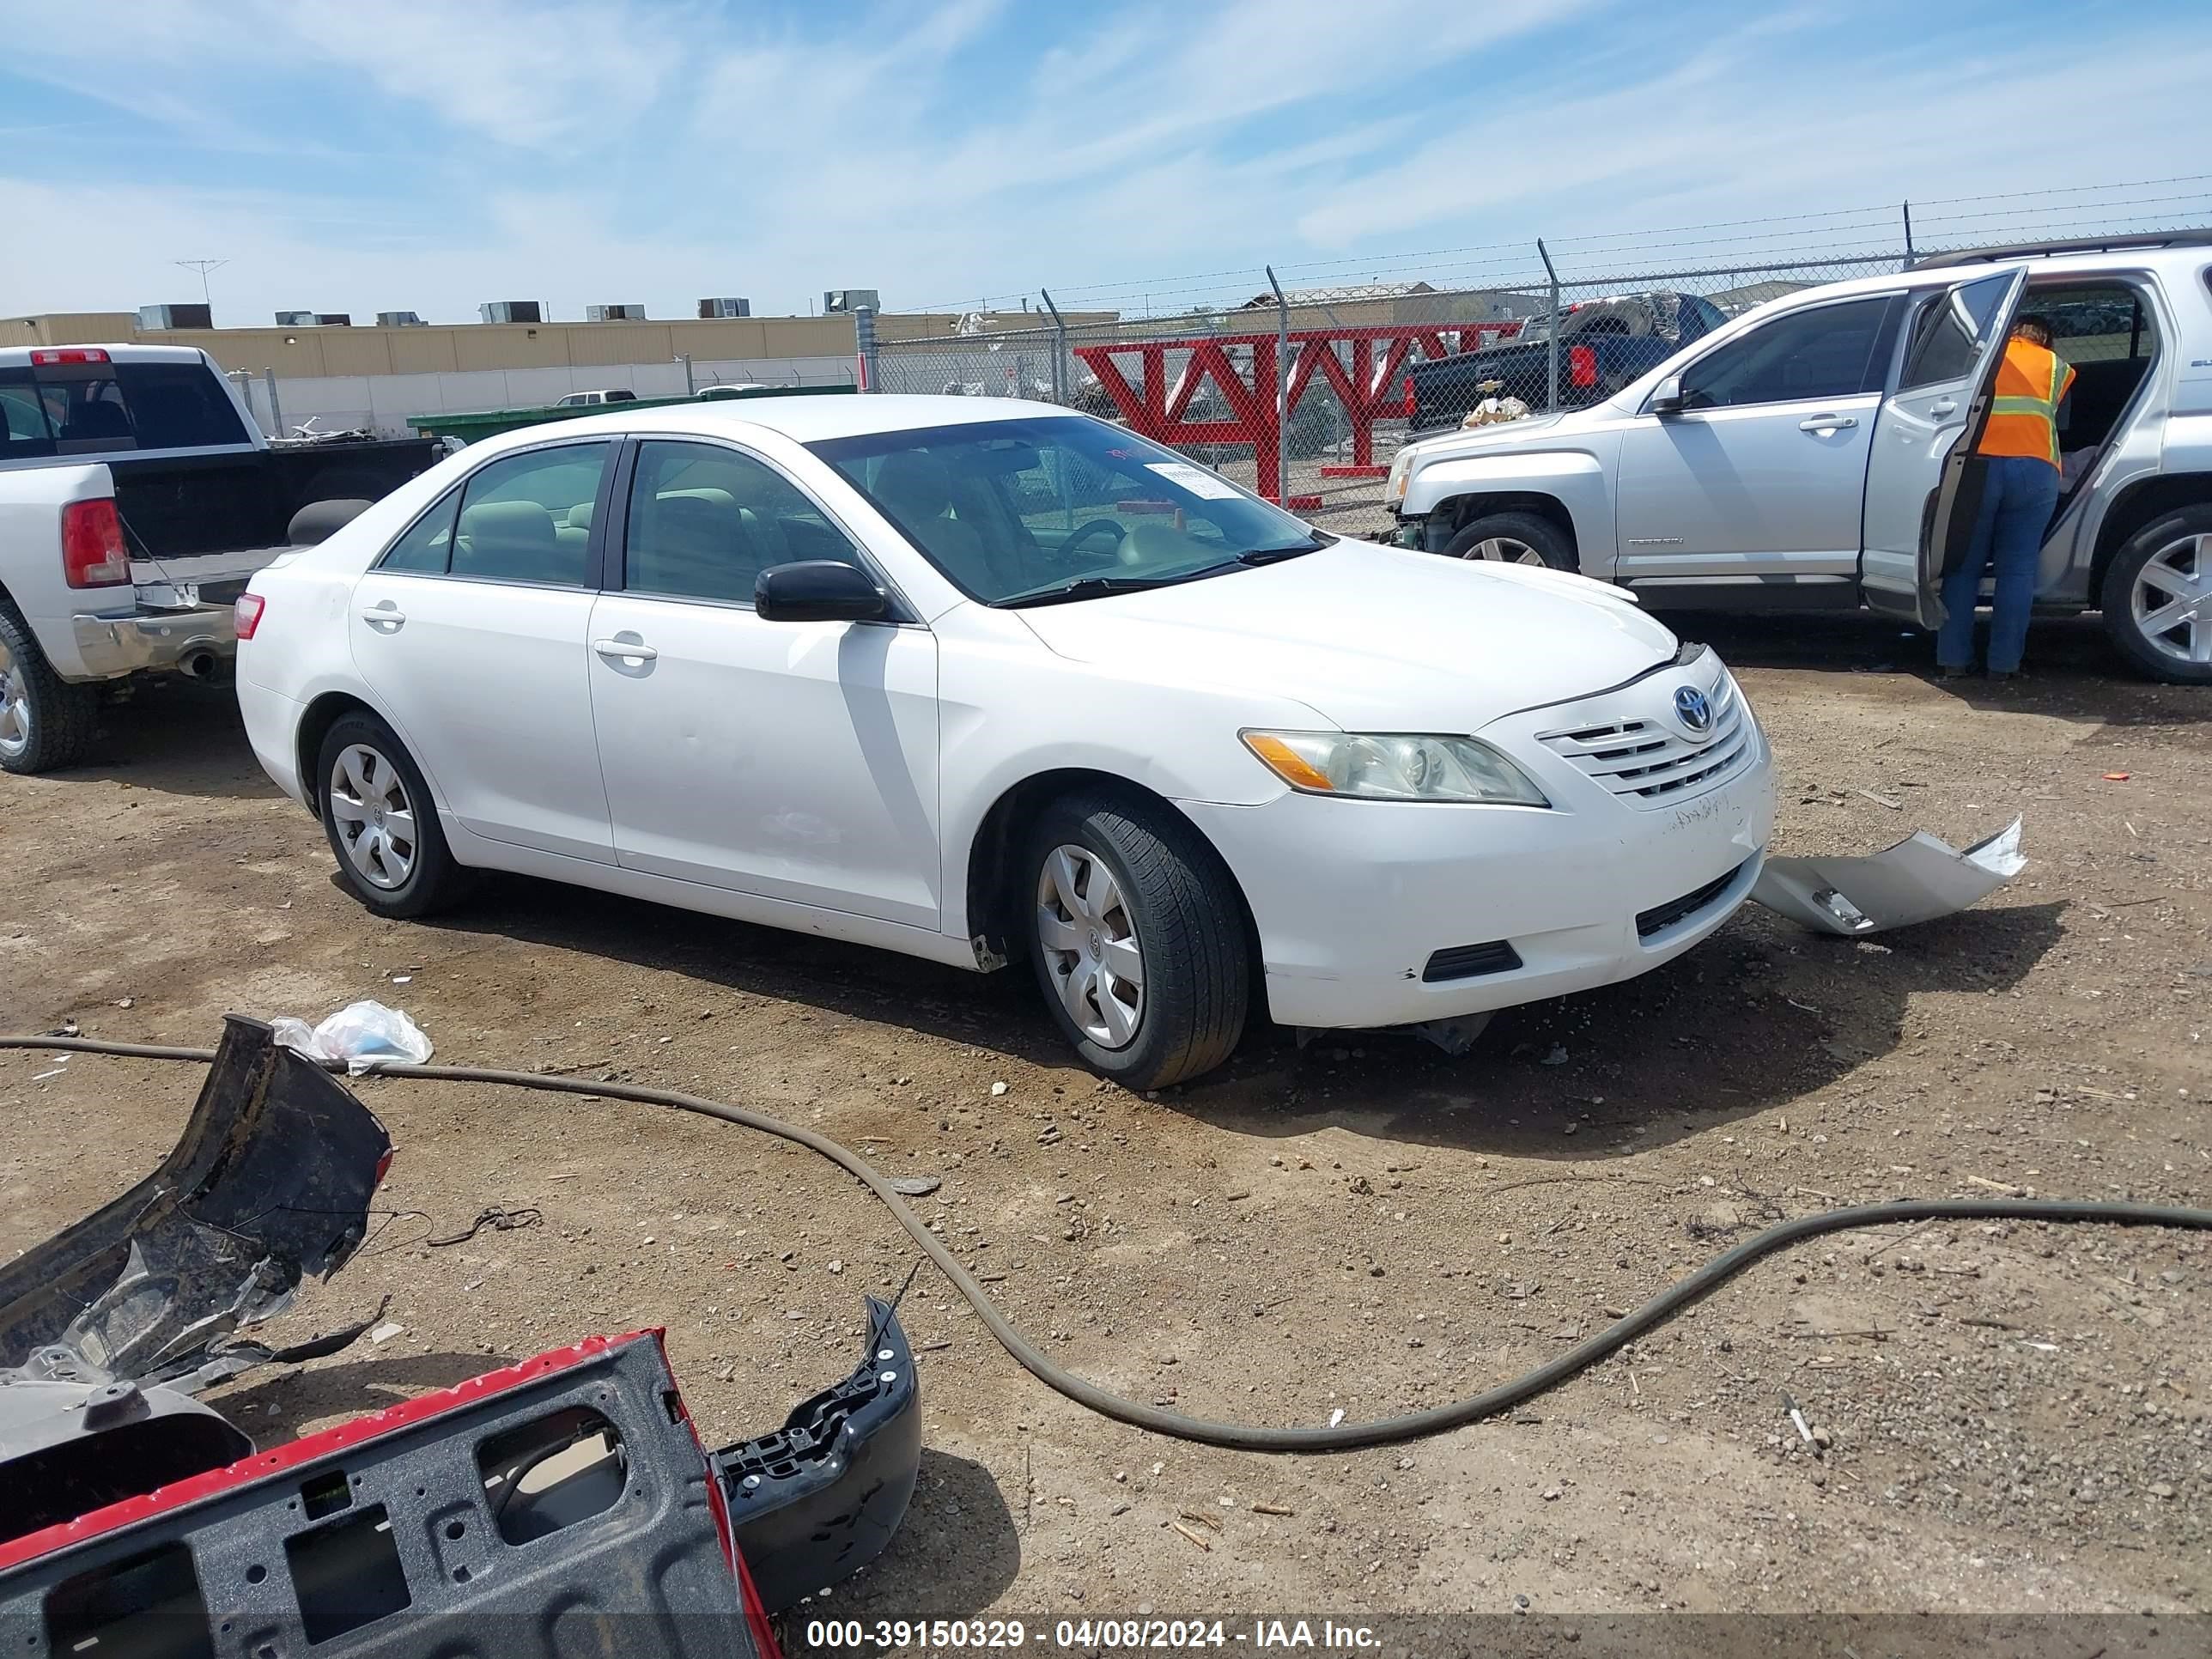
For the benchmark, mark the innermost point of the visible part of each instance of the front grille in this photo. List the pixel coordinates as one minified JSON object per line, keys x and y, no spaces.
{"x":1647,"y":762}
{"x":1469,"y":961}
{"x":1660,"y":917}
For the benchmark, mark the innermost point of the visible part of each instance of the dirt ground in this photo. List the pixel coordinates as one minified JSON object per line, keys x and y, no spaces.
{"x":2018,"y":1413}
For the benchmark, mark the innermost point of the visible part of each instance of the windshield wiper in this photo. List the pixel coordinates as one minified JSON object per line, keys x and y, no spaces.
{"x":1276,"y":554}
{"x":1088,"y":587}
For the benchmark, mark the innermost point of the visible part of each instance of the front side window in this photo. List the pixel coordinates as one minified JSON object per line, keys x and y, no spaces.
{"x":1830,"y":351}
{"x":1029,"y":511}
{"x":705,"y":521}
{"x":527,"y":518}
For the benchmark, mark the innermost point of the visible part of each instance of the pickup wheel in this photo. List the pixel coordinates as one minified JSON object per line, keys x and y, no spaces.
{"x":382,"y":823}
{"x":45,"y":723}
{"x":2158,"y":597}
{"x":1514,"y":539}
{"x":1138,"y":938}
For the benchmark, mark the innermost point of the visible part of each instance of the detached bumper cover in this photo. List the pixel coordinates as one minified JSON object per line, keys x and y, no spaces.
{"x":1918,"y":880}
{"x":817,"y":1500}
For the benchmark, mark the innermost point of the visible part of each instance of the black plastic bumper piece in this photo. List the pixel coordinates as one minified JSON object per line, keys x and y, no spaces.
{"x":817,"y":1500}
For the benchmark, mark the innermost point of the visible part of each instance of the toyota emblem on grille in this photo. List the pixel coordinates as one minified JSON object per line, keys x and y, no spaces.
{"x":1696,"y":712}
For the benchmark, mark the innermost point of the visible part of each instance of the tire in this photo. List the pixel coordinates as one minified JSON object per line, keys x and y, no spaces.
{"x":1178,"y":915}
{"x":45,"y":723}
{"x":1514,"y":539}
{"x":2179,"y":545}
{"x":363,"y":774}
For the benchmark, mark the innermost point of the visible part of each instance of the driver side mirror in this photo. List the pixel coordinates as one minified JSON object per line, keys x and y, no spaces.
{"x":1667,"y":398}
{"x":818,"y":590}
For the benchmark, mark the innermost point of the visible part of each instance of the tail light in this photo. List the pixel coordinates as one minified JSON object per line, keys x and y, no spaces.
{"x":92,"y":553}
{"x":247,"y":613}
{"x":49,"y":359}
{"x":1582,"y":365}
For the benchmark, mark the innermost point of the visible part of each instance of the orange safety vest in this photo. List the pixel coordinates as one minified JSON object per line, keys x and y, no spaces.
{"x":2024,"y":415}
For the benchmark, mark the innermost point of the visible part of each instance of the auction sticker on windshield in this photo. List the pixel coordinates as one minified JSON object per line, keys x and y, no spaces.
{"x":1196,"y":479}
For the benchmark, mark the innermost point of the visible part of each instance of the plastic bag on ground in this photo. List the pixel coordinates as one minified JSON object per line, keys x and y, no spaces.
{"x":359,"y":1034}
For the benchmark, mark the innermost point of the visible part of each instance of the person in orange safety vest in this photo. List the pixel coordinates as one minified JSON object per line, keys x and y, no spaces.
{"x":2020,"y":490}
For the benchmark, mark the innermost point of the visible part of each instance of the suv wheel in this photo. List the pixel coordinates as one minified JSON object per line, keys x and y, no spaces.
{"x":43,"y":721}
{"x":1138,"y":939}
{"x":2158,"y":597}
{"x":1514,"y":539}
{"x":381,"y":823}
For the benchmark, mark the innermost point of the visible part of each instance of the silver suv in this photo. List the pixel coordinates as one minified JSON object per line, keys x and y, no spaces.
{"x":1817,"y":451}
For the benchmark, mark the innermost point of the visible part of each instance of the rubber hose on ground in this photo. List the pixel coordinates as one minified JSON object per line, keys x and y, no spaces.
{"x":1346,"y":1437}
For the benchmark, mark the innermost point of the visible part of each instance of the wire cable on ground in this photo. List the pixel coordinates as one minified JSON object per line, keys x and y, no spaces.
{"x":1244,"y":1437}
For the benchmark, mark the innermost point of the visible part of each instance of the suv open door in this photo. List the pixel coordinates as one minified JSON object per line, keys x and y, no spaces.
{"x":1923,"y":439}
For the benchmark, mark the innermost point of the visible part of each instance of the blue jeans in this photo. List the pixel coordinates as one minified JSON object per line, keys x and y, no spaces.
{"x":2018,"y":495}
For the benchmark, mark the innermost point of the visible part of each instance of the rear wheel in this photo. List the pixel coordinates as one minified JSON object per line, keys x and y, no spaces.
{"x":1513,"y":538}
{"x":1138,"y":939}
{"x":2158,"y":597}
{"x":45,"y":723}
{"x":382,"y":823}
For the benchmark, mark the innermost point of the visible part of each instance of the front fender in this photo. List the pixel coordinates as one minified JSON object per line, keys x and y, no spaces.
{"x":1578,"y":478}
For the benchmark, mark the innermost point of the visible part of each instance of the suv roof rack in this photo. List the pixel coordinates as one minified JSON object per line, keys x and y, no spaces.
{"x":1983,"y":255}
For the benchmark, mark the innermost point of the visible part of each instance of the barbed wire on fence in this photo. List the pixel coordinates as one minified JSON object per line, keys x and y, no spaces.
{"x":1302,"y":381}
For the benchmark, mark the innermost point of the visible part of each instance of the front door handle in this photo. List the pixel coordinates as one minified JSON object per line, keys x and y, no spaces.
{"x":1941,"y":407}
{"x":624,"y":650}
{"x":1828,"y":423}
{"x":384,"y":614}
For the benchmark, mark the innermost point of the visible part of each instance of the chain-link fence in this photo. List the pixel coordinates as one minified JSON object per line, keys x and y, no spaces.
{"x":1305,"y":393}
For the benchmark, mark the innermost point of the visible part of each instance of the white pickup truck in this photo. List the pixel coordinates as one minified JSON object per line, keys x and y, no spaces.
{"x":1818,"y":451}
{"x":136,"y":497}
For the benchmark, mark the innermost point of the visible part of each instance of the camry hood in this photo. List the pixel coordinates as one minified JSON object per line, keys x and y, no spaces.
{"x":1376,"y":639}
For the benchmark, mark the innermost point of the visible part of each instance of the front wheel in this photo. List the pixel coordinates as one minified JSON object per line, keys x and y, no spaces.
{"x":1138,"y":939}
{"x":1514,"y":539}
{"x":382,"y":823}
{"x":2158,"y":597}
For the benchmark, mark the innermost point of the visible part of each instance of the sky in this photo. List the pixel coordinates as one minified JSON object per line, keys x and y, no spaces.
{"x":392,"y":154}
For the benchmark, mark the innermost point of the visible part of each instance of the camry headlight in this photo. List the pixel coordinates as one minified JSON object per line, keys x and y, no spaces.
{"x":1389,"y":766}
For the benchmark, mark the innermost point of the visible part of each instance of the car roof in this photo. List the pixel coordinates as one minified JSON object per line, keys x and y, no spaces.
{"x":807,"y":419}
{"x":2168,"y":261}
{"x":20,"y":357}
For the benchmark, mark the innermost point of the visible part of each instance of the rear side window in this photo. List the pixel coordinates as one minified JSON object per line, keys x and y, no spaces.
{"x":527,"y":518}
{"x":1948,"y":335}
{"x":428,"y":546}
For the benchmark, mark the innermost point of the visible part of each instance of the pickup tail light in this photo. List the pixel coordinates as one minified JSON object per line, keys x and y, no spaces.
{"x":1582,"y":365}
{"x":247,"y":612}
{"x":49,"y":358}
{"x":92,"y":553}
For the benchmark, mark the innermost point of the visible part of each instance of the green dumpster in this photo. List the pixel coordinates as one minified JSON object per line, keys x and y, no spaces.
{"x":476,"y":424}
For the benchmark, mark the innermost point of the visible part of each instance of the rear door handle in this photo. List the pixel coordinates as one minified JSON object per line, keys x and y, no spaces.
{"x":384,"y":614}
{"x":624,"y":650}
{"x":1941,"y":407}
{"x":1828,"y":423}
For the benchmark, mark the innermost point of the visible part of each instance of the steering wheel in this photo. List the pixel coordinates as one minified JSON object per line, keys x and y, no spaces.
{"x":1096,"y":527}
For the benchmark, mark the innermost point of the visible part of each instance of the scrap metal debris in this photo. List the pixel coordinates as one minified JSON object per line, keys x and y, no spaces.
{"x":1916,"y":880}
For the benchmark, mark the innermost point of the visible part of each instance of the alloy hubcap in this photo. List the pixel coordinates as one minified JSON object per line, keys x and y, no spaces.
{"x":375,"y":820}
{"x":15,"y":705}
{"x":1089,"y":944}
{"x":1506,"y":549}
{"x":2172,"y":601}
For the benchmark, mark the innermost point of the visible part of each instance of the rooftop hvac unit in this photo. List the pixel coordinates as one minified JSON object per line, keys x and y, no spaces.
{"x":725,"y":308}
{"x":175,"y":316}
{"x":399,"y":320}
{"x":296,"y":319}
{"x":512,"y":310}
{"x":614,"y":313}
{"x":334,"y":319}
{"x":851,"y":299}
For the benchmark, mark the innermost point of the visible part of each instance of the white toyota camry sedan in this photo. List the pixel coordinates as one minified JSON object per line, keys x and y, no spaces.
{"x":986,"y":681}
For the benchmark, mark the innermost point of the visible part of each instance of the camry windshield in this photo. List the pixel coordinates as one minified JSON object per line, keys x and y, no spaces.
{"x":1062,"y":508}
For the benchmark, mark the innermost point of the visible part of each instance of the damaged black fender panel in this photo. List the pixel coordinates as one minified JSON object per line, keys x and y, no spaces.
{"x":271,"y":1182}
